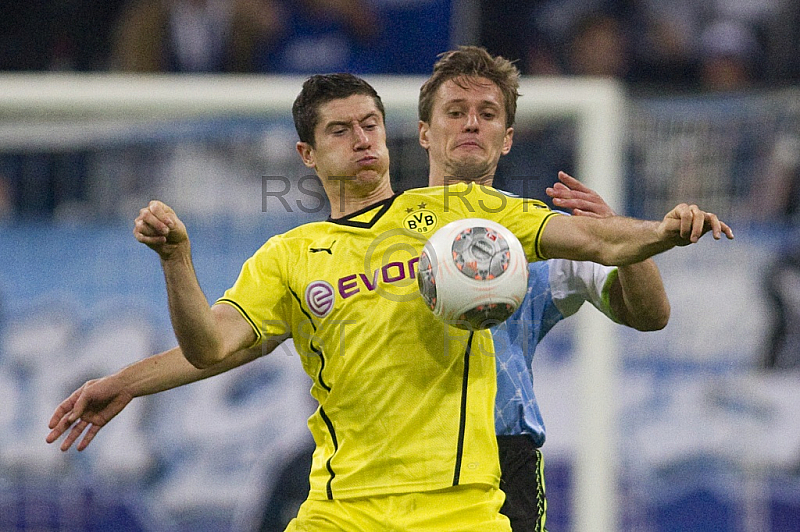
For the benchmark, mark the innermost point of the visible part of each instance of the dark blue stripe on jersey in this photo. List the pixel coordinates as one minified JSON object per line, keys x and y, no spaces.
{"x":348,"y":220}
{"x":311,"y":343}
{"x":462,"y":422}
{"x":327,"y":421}
{"x":248,"y":318}
{"x":539,"y":235}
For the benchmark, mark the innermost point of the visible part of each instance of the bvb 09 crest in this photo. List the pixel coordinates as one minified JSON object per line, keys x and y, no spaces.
{"x":422,"y":221}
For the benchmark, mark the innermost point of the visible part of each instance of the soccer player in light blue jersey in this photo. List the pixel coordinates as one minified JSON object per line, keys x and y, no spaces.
{"x":466,"y":112}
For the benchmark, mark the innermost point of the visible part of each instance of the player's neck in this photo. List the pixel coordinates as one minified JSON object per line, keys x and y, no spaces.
{"x":348,"y":200}
{"x":437,"y":179}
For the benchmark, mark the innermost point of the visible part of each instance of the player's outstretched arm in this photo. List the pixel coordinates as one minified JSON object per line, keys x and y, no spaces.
{"x":205,"y":334}
{"x":619,"y":241}
{"x":98,"y":401}
{"x":637,"y":296}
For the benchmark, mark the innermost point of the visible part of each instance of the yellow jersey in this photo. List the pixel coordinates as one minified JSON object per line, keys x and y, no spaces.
{"x":405,"y":401}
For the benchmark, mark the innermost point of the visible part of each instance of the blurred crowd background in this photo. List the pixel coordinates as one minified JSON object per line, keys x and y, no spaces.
{"x":708,"y":434}
{"x":656,"y":48}
{"x":663,"y":45}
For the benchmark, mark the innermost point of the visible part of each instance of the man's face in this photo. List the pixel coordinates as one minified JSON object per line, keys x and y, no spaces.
{"x":467,"y":133}
{"x":350,"y":142}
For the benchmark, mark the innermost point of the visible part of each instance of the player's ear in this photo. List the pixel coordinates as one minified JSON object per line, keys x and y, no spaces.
{"x":424,"y":128}
{"x":508,"y":140}
{"x":307,"y":154}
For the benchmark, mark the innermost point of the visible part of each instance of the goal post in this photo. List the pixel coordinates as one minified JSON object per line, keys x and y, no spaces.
{"x":598,"y":106}
{"x":72,"y":111}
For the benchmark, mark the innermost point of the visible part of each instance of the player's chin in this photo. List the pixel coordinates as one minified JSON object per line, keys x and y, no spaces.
{"x":469,"y":152}
{"x":470,"y":168}
{"x":471,"y":155}
{"x":369,"y":175}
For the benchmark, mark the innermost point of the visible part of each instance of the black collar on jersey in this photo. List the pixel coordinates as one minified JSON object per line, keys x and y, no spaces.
{"x":348,"y":220}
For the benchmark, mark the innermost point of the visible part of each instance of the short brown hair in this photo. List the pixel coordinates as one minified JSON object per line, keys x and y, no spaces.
{"x":472,"y":62}
{"x":321,"y":89}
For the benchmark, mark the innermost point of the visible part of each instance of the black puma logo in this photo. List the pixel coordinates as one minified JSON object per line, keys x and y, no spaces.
{"x":326,"y":250}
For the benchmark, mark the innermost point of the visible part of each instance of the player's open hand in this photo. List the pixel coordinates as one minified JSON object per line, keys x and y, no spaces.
{"x":685,"y":224}
{"x":158,"y":227}
{"x":571,"y":194}
{"x":91,"y":406}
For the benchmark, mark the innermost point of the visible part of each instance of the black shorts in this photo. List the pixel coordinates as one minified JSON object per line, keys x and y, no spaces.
{"x":522,"y":480}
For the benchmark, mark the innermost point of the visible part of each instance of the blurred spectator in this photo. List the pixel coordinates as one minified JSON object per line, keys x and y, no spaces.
{"x":193,"y":35}
{"x":83,"y":38}
{"x":638,"y":41}
{"x":56,"y":34}
{"x":663,"y":40}
{"x":729,"y":55}
{"x":776,"y":195}
{"x":660,"y":42}
{"x":782,"y":42}
{"x":323,"y":36}
{"x":43,"y":185}
{"x":782,"y":287}
{"x":6,"y":200}
{"x":22,"y":47}
{"x":599,"y":47}
{"x":541,"y":59}
{"x":511,"y":41}
{"x":287,"y":491}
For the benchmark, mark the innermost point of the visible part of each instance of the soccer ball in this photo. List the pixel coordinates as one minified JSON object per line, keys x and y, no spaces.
{"x":473,"y":273}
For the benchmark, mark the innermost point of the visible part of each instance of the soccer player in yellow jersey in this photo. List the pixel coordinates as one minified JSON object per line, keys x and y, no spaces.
{"x":404,"y":429}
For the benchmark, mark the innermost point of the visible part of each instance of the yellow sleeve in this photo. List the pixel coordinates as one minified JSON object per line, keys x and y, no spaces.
{"x":261,"y":293}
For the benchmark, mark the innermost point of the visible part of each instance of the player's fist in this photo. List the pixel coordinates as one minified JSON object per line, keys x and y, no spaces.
{"x":158,"y":227}
{"x":685,"y":224}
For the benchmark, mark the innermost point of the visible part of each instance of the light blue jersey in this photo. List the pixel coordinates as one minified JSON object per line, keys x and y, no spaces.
{"x":556,"y":289}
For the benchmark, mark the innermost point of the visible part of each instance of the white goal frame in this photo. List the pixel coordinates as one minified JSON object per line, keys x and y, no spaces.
{"x":39,"y":111}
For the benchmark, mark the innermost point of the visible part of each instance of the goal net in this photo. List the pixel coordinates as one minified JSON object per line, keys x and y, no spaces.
{"x":736,"y":155}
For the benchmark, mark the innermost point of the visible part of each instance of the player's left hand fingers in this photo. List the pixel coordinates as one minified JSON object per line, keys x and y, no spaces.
{"x":561,"y":188}
{"x":590,"y":214}
{"x":683,"y":213}
{"x":74,"y":434}
{"x":90,"y":434}
{"x":717,"y":227}
{"x":572,"y":183}
{"x":698,"y":223}
{"x":582,"y":203}
{"x":711,"y":223}
{"x":143,"y":235}
{"x":64,"y":408}
{"x":59,"y":428}
{"x":65,"y":414}
{"x":557,"y":191}
{"x":726,"y":230}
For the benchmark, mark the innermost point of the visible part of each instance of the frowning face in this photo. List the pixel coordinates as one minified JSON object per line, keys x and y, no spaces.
{"x":467,"y":133}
